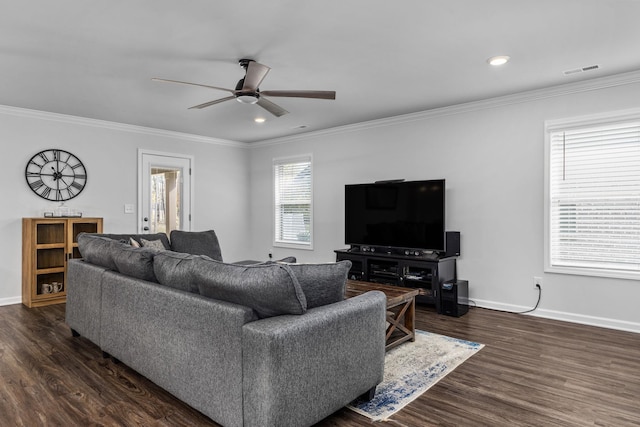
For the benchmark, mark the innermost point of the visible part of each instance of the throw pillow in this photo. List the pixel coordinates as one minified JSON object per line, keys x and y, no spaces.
{"x":152,"y":244}
{"x":135,"y":262}
{"x":270,"y":290}
{"x":134,"y":242}
{"x":126,"y":238}
{"x":175,"y":269}
{"x":322,"y":284}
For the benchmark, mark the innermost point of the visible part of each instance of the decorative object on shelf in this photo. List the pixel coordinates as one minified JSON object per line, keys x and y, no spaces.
{"x":56,"y":175}
{"x":71,"y":215}
{"x":63,"y":211}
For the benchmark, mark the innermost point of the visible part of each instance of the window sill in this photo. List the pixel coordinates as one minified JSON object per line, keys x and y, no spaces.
{"x":288,"y":245}
{"x":594,"y":272}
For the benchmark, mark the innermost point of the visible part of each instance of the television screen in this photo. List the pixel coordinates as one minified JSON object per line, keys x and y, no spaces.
{"x":396,"y":214}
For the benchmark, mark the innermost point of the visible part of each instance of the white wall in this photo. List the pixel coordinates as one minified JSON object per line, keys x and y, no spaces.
{"x":109,"y":152}
{"x":492,"y":157}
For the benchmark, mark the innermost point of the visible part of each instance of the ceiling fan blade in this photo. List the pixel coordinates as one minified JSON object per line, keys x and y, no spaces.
{"x":210,"y":103}
{"x":274,"y":109}
{"x":155,"y":79}
{"x":316,"y":94}
{"x":256,"y":72}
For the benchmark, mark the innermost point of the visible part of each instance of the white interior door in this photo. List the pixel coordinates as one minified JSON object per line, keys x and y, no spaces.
{"x":164,"y":193}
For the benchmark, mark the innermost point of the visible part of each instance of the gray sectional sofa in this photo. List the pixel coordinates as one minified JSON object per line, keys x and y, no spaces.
{"x":270,"y":344}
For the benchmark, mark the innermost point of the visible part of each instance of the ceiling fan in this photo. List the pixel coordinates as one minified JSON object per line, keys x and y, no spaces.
{"x":247,"y":91}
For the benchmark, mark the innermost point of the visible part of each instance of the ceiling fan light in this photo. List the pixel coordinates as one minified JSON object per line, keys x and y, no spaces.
{"x":498,"y":60}
{"x":247,"y":99}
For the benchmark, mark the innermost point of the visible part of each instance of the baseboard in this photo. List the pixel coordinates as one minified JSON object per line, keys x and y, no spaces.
{"x":10,"y":301}
{"x":602,"y":322}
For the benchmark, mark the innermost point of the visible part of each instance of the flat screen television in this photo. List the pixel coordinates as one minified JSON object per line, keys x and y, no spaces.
{"x":408,"y":215}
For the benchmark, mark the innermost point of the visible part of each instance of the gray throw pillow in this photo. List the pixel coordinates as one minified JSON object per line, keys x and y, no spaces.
{"x":175,"y":270}
{"x":196,"y":243}
{"x":135,"y":262}
{"x":271,"y":289}
{"x":155,"y":245}
{"x":322,"y":284}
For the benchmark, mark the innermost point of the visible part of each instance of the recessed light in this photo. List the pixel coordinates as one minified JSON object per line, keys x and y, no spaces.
{"x":498,"y":60}
{"x":259,"y":120}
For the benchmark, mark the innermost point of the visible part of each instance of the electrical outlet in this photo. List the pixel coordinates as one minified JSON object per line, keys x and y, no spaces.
{"x":537,"y":281}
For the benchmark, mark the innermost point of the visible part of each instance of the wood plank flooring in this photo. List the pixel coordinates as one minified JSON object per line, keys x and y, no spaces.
{"x":532,"y":372}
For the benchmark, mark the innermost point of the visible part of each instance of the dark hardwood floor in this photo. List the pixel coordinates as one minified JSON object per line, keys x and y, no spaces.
{"x":531,"y":372}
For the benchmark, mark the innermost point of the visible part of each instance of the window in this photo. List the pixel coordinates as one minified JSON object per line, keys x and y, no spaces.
{"x":592,"y":224}
{"x":293,"y":202}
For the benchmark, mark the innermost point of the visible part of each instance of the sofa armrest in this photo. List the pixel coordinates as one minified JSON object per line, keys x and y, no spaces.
{"x":299,"y":369}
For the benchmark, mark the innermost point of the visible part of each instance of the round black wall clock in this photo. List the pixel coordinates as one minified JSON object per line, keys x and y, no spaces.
{"x":56,"y":175}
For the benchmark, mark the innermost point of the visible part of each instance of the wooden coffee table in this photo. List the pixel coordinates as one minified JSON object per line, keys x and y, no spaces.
{"x":401,"y":309}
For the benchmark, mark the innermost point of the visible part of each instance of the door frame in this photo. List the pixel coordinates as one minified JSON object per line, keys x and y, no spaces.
{"x":188,"y":219}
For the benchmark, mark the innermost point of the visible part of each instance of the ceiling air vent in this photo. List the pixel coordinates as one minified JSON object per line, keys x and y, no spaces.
{"x":580,"y":70}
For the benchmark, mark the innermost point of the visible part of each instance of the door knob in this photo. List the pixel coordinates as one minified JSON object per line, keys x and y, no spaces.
{"x":145,"y":228}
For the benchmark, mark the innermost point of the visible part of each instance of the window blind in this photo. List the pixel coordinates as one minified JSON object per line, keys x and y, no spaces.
{"x":293,"y":201}
{"x":594,"y":190}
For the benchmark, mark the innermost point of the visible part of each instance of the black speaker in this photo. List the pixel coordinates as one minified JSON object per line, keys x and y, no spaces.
{"x":452,"y":243}
{"x":454,"y":298}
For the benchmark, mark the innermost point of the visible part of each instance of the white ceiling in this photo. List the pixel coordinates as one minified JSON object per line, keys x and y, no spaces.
{"x":96,"y":58}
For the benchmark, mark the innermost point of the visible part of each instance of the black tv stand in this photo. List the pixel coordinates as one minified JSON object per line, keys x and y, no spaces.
{"x":426,"y":271}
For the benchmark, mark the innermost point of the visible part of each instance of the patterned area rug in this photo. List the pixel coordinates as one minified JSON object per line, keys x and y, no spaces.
{"x":411,"y":369}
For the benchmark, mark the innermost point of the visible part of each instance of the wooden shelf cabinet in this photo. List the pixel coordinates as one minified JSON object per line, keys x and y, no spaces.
{"x":47,"y":245}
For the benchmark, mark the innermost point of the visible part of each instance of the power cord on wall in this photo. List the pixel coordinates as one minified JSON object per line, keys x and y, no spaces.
{"x":514,"y":312}
{"x":537,"y":303}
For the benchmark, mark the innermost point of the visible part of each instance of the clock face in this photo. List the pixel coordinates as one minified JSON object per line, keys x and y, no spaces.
{"x":56,"y":175}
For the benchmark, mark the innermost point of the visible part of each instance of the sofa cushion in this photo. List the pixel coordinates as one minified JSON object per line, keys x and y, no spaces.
{"x":98,"y":250}
{"x":175,"y":270}
{"x":135,"y":262}
{"x":270,"y":289}
{"x":196,"y":243}
{"x":322,"y":284}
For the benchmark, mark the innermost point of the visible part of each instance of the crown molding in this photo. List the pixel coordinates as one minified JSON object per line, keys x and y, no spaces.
{"x":496,"y":102}
{"x":104,"y":124}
